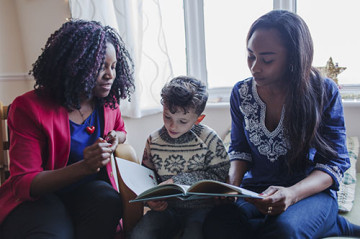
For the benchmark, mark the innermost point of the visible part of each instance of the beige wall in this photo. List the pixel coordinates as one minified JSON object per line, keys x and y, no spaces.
{"x":218,"y":118}
{"x":11,"y":50}
{"x":38,"y":19}
{"x":13,"y":87}
{"x":25,"y":26}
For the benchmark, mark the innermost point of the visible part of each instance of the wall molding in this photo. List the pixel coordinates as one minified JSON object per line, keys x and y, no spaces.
{"x":15,"y":77}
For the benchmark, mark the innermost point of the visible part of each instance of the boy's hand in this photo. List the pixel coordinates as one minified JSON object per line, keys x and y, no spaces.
{"x":224,"y":199}
{"x":169,"y":181}
{"x":157,"y":205}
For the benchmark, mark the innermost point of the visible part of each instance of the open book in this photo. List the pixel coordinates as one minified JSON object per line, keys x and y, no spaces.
{"x":142,"y":182}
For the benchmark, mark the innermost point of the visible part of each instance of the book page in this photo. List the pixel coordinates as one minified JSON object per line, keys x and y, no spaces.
{"x":215,"y":188}
{"x":136,"y":177}
{"x":163,"y":192}
{"x":113,"y":168}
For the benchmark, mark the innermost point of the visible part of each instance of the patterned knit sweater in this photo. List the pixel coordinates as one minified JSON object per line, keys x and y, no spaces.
{"x":196,"y":155}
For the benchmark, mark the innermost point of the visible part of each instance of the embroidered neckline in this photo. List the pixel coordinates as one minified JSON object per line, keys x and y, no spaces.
{"x":279,"y":127}
{"x":270,"y":144}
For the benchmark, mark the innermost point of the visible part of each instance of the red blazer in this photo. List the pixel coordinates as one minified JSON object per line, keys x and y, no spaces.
{"x":40,"y":140}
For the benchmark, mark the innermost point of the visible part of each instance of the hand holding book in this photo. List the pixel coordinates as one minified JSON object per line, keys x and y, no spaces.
{"x":142,"y":182}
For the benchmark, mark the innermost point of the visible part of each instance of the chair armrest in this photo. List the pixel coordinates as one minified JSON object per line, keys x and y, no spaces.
{"x":126,"y":151}
{"x":132,"y":212}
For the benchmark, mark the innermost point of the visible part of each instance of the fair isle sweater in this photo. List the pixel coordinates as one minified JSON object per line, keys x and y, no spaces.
{"x":196,"y":155}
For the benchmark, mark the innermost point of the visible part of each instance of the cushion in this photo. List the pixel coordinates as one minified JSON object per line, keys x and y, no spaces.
{"x":346,"y":194}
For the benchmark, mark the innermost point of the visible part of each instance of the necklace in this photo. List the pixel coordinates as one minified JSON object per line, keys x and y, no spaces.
{"x":90,"y":129}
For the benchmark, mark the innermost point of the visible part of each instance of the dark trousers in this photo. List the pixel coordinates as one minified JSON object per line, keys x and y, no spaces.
{"x":313,"y":217}
{"x":92,"y":210}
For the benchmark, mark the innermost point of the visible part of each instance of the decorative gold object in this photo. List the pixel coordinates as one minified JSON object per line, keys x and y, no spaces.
{"x":331,"y":70}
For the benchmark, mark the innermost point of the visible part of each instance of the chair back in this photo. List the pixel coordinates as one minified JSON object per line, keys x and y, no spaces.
{"x":4,"y":144}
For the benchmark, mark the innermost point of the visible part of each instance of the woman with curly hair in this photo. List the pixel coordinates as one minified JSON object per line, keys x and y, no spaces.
{"x":62,"y":135}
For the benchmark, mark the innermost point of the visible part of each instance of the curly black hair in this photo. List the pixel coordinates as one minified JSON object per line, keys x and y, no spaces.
{"x":186,"y":93}
{"x":72,"y":58}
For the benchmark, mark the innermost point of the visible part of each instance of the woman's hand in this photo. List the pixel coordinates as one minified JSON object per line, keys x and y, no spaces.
{"x":115,"y":138}
{"x":157,"y":205}
{"x":97,"y":155}
{"x":276,"y":200}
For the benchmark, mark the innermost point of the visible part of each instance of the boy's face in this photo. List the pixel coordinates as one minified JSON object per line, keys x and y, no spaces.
{"x":179,"y":123}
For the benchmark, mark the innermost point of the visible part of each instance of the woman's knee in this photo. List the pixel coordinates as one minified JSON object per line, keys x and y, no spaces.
{"x":44,"y":218}
{"x":311,"y":217}
{"x":104,"y":199}
{"x":156,"y":225}
{"x":279,"y":227}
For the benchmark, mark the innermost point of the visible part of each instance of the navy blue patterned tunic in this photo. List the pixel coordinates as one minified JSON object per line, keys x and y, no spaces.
{"x":266,"y":151}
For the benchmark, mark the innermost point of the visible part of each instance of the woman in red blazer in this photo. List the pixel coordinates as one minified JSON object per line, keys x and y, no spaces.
{"x":62,"y":135}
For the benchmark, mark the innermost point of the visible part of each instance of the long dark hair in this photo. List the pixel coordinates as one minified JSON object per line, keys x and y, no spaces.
{"x":69,"y":64}
{"x":305,"y":98}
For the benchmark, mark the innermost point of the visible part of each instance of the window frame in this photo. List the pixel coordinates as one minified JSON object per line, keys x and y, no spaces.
{"x":195,"y":39}
{"x":195,"y":36}
{"x":196,"y":51}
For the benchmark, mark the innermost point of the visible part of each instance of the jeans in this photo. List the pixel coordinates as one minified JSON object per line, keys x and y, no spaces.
{"x":313,"y":217}
{"x":93,"y":210}
{"x":170,"y":222}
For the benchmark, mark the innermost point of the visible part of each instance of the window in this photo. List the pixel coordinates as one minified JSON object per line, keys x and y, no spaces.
{"x":335,"y":34}
{"x":173,"y":27}
{"x":206,"y":39}
{"x":216,"y":33}
{"x":226,"y":27}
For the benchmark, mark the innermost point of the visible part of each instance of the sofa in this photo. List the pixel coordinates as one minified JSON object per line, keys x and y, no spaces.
{"x":349,"y":193}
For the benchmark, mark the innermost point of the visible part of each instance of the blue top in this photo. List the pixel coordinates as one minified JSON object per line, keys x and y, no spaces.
{"x":266,"y":151}
{"x":80,"y":139}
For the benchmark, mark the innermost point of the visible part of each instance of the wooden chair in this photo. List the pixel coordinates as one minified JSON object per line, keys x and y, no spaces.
{"x":4,"y":144}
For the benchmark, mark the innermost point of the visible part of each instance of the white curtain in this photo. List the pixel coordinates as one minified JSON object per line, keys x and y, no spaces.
{"x":139,"y":23}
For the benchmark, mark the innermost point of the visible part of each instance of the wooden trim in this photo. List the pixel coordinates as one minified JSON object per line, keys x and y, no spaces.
{"x":15,"y":77}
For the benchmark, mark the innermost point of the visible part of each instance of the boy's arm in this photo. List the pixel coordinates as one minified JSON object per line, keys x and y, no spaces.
{"x":146,"y":160}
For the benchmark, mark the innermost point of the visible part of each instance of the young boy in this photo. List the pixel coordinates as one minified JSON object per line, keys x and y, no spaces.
{"x":183,"y":152}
